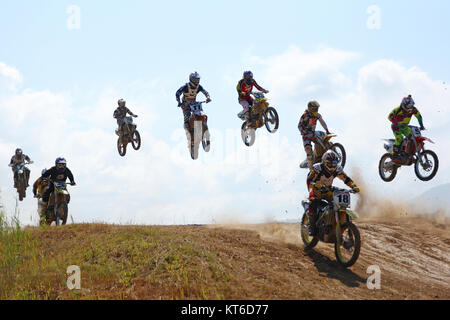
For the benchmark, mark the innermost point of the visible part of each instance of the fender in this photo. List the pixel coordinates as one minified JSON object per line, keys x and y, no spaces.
{"x":352,"y":214}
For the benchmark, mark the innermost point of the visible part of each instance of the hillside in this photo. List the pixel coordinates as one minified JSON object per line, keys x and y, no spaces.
{"x":223,"y":262}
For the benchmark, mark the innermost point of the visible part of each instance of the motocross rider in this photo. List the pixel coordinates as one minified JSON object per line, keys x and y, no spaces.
{"x":58,"y":173}
{"x":189,"y":92}
{"x":307,"y":127}
{"x":400,"y":118}
{"x":320,"y":178}
{"x":40,"y":185}
{"x":19,"y":158}
{"x":244,"y":88}
{"x":120,"y":114}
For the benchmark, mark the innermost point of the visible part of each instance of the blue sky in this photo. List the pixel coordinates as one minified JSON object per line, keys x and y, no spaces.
{"x":144,"y":50}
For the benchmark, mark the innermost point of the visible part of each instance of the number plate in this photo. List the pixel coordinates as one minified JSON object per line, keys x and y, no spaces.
{"x":416,"y":131}
{"x":342,"y":198}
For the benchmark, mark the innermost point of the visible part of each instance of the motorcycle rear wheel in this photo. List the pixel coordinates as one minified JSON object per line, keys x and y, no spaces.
{"x":339,"y":149}
{"x":382,"y":171}
{"x":304,"y":231}
{"x":121,"y":147}
{"x":434,"y":165}
{"x":355,"y":242}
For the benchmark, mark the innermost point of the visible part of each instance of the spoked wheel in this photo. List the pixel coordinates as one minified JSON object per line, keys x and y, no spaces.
{"x":339,"y":149}
{"x":310,"y":242}
{"x":248,"y":134}
{"x":121,"y":147}
{"x":271,"y":120}
{"x":348,"y":246}
{"x":61,"y":213}
{"x":387,"y":169}
{"x":206,"y":142}
{"x":430,"y":166}
{"x":136,"y":140}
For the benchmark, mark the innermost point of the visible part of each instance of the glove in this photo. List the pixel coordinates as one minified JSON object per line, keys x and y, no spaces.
{"x":328,"y":132}
{"x":73,"y":184}
{"x":356,"y":189}
{"x":266,"y":91}
{"x":135,"y":116}
{"x":208,"y":100}
{"x":422,"y":128}
{"x":179,"y":104}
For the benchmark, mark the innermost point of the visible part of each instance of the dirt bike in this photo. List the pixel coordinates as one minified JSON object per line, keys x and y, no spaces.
{"x":426,"y":162}
{"x":198,"y":124}
{"x":322,"y":144}
{"x":128,"y":134}
{"x":260,"y":114}
{"x":334,"y":225}
{"x":21,"y":180}
{"x":57,"y":208}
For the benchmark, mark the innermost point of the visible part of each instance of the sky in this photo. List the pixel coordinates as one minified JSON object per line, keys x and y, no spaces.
{"x":64,"y":65}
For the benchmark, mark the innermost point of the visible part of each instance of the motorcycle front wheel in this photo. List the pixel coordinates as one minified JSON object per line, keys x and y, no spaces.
{"x":206,"y":141}
{"x":339,"y":149}
{"x":136,"y":140}
{"x":387,"y":173}
{"x":310,"y":242}
{"x":430,"y":166}
{"x":61,"y":211}
{"x":271,"y":120}
{"x":247,"y":134}
{"x":348,"y":246}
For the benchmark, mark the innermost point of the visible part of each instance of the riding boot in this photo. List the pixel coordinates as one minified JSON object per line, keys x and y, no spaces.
{"x":312,"y":223}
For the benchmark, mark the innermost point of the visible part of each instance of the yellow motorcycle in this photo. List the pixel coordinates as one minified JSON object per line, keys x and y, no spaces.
{"x":57,"y":208}
{"x":261,"y":114}
{"x":322,"y":143}
{"x":334,"y":224}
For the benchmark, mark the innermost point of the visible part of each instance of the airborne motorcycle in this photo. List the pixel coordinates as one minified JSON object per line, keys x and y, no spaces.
{"x":128,"y":134}
{"x":322,"y":144}
{"x":21,"y":183}
{"x":334,"y":225}
{"x":57,"y":208}
{"x":426,"y":162}
{"x":198,"y":124}
{"x":261,"y":114}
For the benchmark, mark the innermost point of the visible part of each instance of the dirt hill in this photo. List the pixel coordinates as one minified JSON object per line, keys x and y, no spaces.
{"x":223,"y":262}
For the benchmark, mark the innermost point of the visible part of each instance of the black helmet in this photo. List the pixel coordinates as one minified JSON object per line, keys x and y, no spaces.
{"x":248,"y":77}
{"x":19,"y":152}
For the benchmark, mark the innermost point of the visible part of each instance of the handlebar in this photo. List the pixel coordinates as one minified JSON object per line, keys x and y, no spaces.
{"x":25,"y":163}
{"x":332,"y":189}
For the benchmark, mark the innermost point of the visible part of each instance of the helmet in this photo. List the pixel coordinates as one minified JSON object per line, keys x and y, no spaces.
{"x":43,"y":171}
{"x":194,"y":78}
{"x":60,"y":164}
{"x":248,"y":76}
{"x":408,"y":103}
{"x":313,"y":107}
{"x":19,"y":152}
{"x":121,"y":101}
{"x":330,"y":160}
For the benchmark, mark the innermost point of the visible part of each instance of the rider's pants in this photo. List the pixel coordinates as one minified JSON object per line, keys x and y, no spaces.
{"x":399,"y":132}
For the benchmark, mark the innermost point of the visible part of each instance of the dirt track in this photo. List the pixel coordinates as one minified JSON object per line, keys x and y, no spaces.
{"x":413,"y":255}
